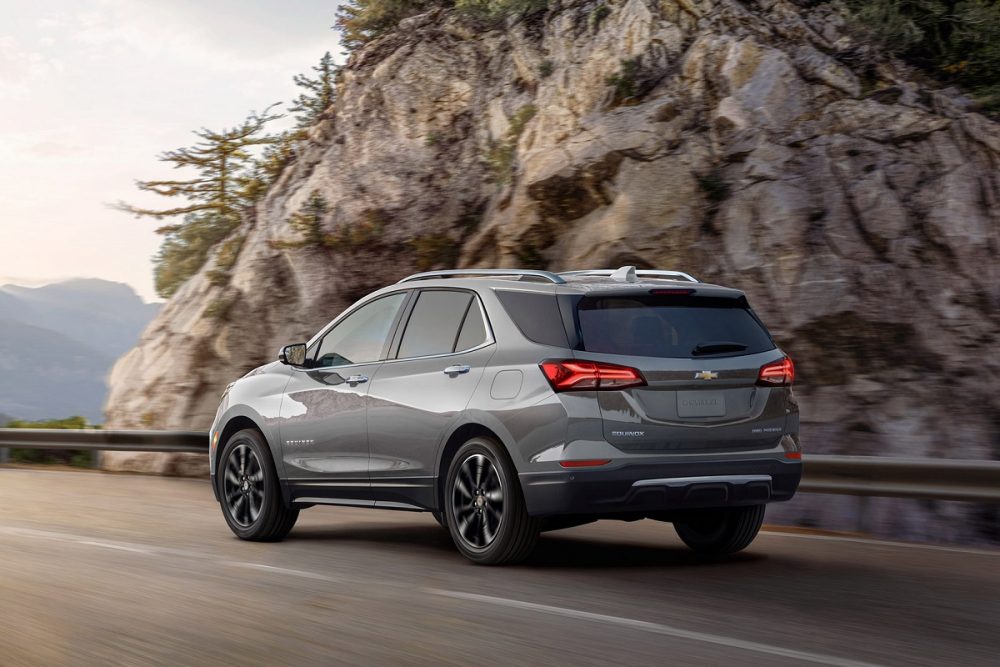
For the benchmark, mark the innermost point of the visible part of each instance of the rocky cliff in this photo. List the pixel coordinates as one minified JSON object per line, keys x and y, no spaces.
{"x":734,"y":140}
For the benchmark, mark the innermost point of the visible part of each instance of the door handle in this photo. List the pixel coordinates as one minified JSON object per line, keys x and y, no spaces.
{"x":457,"y":369}
{"x":357,"y":379}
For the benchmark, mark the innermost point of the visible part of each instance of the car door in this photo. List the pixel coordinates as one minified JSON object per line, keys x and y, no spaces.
{"x":323,"y":412}
{"x":418,"y":393}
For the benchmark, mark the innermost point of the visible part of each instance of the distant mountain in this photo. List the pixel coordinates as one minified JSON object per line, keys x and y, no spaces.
{"x":58,"y":343}
{"x":104,"y":315}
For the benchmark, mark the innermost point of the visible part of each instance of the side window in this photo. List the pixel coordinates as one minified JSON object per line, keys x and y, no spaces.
{"x":473,"y":333}
{"x":537,"y":316}
{"x":360,"y":337}
{"x":433,"y":327}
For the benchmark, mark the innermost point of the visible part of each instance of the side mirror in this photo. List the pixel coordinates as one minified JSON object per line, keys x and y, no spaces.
{"x":293,"y":355}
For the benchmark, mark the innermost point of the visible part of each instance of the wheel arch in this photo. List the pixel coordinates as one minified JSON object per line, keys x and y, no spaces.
{"x":238,"y":422}
{"x":235,"y":424}
{"x":458,"y":437}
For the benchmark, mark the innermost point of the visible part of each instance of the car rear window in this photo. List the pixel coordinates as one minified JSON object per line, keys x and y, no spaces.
{"x":670,"y":326}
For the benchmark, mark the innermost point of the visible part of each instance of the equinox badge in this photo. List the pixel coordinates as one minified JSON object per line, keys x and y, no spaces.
{"x":706,"y":375}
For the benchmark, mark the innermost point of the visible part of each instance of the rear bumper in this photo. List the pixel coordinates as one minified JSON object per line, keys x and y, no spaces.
{"x":657,"y":487}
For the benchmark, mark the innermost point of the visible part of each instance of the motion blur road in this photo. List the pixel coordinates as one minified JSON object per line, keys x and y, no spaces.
{"x":99,"y":569}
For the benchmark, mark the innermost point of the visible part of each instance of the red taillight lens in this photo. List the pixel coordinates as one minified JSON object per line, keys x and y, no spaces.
{"x":573,"y":375}
{"x":777,"y":373}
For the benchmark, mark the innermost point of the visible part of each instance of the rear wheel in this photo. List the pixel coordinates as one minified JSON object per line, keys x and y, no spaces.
{"x":484,"y":507}
{"x":716,"y":532}
{"x":249,"y":491}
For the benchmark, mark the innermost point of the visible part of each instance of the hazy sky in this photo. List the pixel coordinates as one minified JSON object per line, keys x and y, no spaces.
{"x":92,"y":90}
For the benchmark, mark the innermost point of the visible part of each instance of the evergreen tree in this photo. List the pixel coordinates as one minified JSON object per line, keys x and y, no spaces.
{"x":220,"y":159}
{"x":319,"y":94}
{"x":308,"y":221}
{"x":213,"y":200}
{"x":265,"y":170}
{"x":360,"y":21}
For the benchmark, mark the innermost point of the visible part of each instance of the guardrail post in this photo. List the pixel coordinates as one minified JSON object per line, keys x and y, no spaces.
{"x":4,"y":455}
{"x":95,"y":459}
{"x":862,"y":522}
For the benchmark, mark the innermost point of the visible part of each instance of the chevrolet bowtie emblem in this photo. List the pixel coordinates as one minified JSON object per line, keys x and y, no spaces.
{"x":705,"y":375}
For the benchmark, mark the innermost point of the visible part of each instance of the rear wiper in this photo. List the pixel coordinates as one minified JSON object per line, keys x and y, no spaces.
{"x":717,"y":346}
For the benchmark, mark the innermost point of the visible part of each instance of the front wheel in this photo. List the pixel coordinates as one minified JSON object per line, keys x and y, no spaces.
{"x":249,"y":491}
{"x":717,"y":532}
{"x":484,"y":507}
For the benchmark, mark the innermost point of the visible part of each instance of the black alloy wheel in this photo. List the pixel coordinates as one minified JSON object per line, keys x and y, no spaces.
{"x":249,"y":490}
{"x":484,"y":507}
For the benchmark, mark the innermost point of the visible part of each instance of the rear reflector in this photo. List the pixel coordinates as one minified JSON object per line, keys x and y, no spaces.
{"x":777,"y":373}
{"x":575,"y":375}
{"x":794,"y":455}
{"x":585,"y":463}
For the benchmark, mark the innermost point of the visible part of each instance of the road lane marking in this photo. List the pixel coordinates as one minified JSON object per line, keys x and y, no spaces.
{"x":657,"y":628}
{"x":282,"y":570}
{"x":883,"y":543}
{"x":112,"y":545}
{"x":149,"y":550}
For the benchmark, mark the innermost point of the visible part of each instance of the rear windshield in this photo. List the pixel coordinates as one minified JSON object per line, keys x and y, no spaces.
{"x":670,"y":326}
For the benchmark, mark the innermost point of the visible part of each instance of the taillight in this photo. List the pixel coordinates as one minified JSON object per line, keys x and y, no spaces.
{"x":777,"y":373}
{"x":575,"y":375}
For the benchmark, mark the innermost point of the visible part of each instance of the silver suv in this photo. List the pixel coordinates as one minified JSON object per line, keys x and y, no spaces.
{"x":509,"y":402}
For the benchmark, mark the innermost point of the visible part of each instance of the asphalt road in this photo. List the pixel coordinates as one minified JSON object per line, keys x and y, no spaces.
{"x":100,"y":569}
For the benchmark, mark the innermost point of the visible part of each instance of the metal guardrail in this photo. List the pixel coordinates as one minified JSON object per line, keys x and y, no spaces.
{"x":937,"y":479}
{"x":177,"y":442}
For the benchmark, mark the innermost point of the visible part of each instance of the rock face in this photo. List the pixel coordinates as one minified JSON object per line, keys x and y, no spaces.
{"x":732,"y":140}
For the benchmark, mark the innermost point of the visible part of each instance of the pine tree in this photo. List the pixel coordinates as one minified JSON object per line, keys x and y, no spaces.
{"x":265,"y":170}
{"x":220,"y":158}
{"x":213,"y":201}
{"x":360,"y":21}
{"x":319,"y":94}
{"x":308,"y":221}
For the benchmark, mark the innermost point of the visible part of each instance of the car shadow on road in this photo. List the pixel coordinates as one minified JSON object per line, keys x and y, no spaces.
{"x":431,"y":537}
{"x":564,"y":551}
{"x":557,"y":549}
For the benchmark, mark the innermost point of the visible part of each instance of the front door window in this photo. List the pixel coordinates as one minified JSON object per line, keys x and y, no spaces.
{"x":361,"y":336}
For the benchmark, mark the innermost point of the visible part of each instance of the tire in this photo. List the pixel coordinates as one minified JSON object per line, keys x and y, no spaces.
{"x":718,"y":532}
{"x":249,"y":490}
{"x":484,"y":507}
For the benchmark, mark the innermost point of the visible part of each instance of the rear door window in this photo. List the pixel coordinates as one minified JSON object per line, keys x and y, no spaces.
{"x":673,"y":327}
{"x":435,"y":323}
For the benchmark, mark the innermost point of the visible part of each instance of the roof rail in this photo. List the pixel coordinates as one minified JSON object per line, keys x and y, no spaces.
{"x":454,"y":273}
{"x":642,"y":273}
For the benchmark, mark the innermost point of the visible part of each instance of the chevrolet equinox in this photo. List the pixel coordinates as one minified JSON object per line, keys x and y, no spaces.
{"x":508,"y":402}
